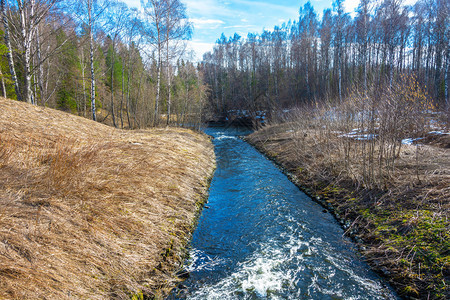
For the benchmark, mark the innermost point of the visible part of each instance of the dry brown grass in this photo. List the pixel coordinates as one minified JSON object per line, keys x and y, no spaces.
{"x":87,"y":211}
{"x":403,"y":223}
{"x":311,"y":154}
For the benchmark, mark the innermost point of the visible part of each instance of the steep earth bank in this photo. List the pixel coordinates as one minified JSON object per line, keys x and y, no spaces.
{"x":91,"y":212}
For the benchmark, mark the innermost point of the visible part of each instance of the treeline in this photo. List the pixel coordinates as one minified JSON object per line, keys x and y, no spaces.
{"x":102,"y":60}
{"x":314,"y":58}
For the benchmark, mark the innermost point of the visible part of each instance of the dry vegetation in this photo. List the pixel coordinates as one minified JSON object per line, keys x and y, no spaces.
{"x":87,"y":211}
{"x":392,"y":198}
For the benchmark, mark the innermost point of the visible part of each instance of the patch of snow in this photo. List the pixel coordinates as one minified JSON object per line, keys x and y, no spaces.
{"x":432,"y":112}
{"x":358,"y":137}
{"x":365,"y":137}
{"x":410,"y":141}
{"x":439,"y":133}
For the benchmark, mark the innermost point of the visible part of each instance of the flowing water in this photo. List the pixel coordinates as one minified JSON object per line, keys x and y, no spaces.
{"x":260,"y":237}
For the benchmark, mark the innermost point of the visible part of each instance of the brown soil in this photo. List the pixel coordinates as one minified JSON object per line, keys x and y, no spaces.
{"x":91,"y":212}
{"x":402,"y":226}
{"x":437,"y":140}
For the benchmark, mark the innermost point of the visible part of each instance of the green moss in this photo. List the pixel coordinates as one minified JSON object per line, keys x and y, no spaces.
{"x":410,"y":290}
{"x":401,"y":234}
{"x":138,"y":296}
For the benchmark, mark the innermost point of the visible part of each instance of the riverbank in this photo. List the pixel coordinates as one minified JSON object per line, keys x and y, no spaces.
{"x":89,"y":211}
{"x":402,"y":229}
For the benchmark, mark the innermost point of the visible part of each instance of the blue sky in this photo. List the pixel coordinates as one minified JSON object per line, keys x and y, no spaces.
{"x":211,"y":18}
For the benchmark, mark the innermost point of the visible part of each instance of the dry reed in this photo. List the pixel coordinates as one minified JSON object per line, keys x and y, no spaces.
{"x":393,"y":197}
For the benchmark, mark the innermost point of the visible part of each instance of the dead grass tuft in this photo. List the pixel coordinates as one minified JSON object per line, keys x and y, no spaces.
{"x":401,"y":216}
{"x":87,"y":211}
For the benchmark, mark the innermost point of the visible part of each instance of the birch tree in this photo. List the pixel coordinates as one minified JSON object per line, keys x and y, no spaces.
{"x":117,"y":19}
{"x":134,"y":26}
{"x":362,"y":32}
{"x":10,"y":53}
{"x":339,"y":28}
{"x":177,"y":29}
{"x":154,"y":11}
{"x":89,"y":5}
{"x":166,"y":25}
{"x":30,"y":14}
{"x":88,"y":14}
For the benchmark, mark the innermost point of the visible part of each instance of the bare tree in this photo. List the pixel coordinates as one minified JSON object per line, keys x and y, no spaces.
{"x":154,"y":11}
{"x":325,"y":45}
{"x":88,"y":14}
{"x":89,"y":4}
{"x":166,"y":25}
{"x":10,"y":53}
{"x":339,"y":28}
{"x":117,"y":20}
{"x":362,"y":32}
{"x":132,"y":29}
{"x":177,"y":29}
{"x":31,"y":13}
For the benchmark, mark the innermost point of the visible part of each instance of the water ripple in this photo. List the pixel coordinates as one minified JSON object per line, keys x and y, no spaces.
{"x":262,"y":238}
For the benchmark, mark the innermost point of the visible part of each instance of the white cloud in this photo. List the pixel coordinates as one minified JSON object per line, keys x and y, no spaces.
{"x":273,"y":7}
{"x":350,"y":6}
{"x":240,"y":26}
{"x":410,"y":2}
{"x":133,"y":3}
{"x":210,"y":8}
{"x":206,"y":23}
{"x":199,"y":48}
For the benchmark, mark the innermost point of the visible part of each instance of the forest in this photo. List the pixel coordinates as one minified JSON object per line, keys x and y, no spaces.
{"x":129,"y":66}
{"x":102,"y":60}
{"x":323,"y":57}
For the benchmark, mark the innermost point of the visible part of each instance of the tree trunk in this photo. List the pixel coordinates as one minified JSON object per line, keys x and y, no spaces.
{"x":10,"y":54}
{"x":123,"y":95}
{"x":169,"y":88}
{"x":168,"y":79}
{"x":91,"y":57}
{"x":112,"y":85}
{"x":391,"y":65}
{"x":3,"y":84}
{"x":158,"y":88}
{"x":26,"y":45}
{"x":447,"y":79}
{"x":186,"y":101}
{"x":40,"y":73}
{"x":339,"y":75}
{"x":128,"y":96}
{"x":84,"y":82}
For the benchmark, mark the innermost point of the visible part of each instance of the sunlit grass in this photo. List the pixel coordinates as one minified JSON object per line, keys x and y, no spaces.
{"x":87,"y":211}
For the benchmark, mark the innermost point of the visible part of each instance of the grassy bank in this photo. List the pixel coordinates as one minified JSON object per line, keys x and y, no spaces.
{"x":88,"y":211}
{"x":401,"y":221}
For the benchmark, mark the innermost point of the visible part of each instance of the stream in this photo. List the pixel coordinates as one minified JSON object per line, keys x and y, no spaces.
{"x":260,"y":237}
